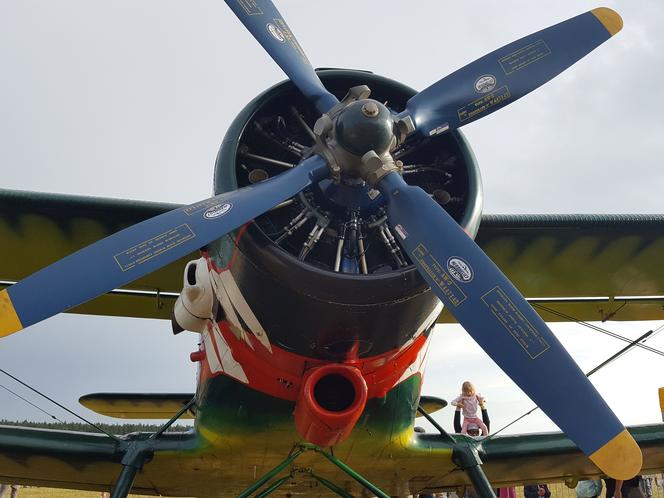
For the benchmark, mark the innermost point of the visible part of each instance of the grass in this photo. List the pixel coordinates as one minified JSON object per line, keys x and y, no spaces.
{"x":558,"y":490}
{"x":57,"y":493}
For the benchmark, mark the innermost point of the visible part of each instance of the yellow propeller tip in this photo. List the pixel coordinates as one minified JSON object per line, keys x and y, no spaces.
{"x":661,"y":400}
{"x":9,"y":321}
{"x":609,"y":18}
{"x":620,"y":458}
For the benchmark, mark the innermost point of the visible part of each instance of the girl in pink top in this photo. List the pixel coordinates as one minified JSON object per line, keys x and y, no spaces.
{"x":469,"y":401}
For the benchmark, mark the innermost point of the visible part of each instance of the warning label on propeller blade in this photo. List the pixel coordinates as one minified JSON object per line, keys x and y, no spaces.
{"x":450,"y":290}
{"x":250,"y":7}
{"x":524,"y":56}
{"x":504,"y":309}
{"x":153,"y":247}
{"x":484,"y":104}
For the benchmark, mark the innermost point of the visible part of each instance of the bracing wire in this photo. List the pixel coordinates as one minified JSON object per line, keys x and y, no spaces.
{"x":637,"y":342}
{"x":115,"y":438}
{"x":31,"y":403}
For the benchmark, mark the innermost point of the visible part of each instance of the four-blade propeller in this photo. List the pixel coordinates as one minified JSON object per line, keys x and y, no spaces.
{"x":482,"y":299}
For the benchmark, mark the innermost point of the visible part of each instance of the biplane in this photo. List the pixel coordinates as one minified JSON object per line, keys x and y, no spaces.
{"x":347,"y":220}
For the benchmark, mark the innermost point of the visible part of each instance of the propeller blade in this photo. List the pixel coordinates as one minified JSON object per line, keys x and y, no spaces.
{"x":509,"y":73}
{"x":145,"y":247}
{"x":502,"y":322}
{"x":266,"y":24}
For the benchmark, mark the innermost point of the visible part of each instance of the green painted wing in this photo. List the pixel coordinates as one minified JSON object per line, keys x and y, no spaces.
{"x":546,"y":457}
{"x":589,"y":267}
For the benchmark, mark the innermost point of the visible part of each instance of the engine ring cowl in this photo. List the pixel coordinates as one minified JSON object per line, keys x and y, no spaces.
{"x":322,"y":273}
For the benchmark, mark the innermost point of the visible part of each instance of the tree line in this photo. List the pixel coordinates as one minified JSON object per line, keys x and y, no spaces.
{"x":82,"y":427}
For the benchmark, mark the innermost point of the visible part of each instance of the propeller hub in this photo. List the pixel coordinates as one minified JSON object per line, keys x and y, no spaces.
{"x":363,"y":126}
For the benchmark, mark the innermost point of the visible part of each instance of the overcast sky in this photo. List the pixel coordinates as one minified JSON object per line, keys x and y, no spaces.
{"x":131,"y":100}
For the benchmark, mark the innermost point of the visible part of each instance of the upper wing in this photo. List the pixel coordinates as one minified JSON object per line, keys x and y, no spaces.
{"x":37,"y":229}
{"x":589,"y":267}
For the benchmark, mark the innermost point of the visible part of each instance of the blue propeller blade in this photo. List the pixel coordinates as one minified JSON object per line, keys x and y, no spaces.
{"x":509,"y":73}
{"x":145,"y":247}
{"x":502,"y":322}
{"x":266,"y":24}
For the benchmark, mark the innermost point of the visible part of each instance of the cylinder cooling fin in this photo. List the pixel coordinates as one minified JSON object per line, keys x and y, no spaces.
{"x":342,"y":227}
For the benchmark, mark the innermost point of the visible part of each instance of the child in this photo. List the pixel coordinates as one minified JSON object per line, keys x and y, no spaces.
{"x":469,"y":401}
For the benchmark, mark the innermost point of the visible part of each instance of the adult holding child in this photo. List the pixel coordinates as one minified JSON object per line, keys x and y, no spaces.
{"x":468,"y":403}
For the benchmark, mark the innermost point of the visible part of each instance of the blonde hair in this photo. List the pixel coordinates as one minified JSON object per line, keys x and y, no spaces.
{"x":467,"y":388}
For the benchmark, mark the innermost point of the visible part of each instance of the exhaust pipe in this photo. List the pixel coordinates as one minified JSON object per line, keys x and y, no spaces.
{"x":330,"y":402}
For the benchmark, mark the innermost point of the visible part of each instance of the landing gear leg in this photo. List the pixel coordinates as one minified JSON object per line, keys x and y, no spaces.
{"x":139,"y":452}
{"x":468,"y":459}
{"x":132,"y":462}
{"x":297,"y":451}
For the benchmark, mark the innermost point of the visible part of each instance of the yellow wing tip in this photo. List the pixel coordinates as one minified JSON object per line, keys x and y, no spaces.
{"x":609,"y":18}
{"x":620,"y":458}
{"x":9,"y":321}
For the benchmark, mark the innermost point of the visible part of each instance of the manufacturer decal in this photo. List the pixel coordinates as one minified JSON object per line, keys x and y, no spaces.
{"x":452,"y":293}
{"x":488,"y":102}
{"x":275,"y":32}
{"x":460,"y":270}
{"x":218,"y":210}
{"x":485,"y":83}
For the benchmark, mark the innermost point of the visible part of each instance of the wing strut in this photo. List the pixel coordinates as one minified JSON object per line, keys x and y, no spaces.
{"x":139,"y":452}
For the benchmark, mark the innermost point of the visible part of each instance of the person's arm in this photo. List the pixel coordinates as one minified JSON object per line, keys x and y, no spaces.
{"x":457,"y":419}
{"x":485,"y":414}
{"x":485,"y":419}
{"x":618,"y":491}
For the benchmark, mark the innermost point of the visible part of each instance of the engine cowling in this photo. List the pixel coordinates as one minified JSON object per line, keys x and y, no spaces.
{"x":322,"y":272}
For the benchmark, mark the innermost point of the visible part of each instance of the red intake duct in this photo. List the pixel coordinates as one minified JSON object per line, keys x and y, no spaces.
{"x":331,"y":400}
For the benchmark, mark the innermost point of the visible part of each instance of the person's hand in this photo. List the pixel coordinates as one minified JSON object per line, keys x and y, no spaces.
{"x":540,"y":491}
{"x":617,"y":493}
{"x":482,"y":406}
